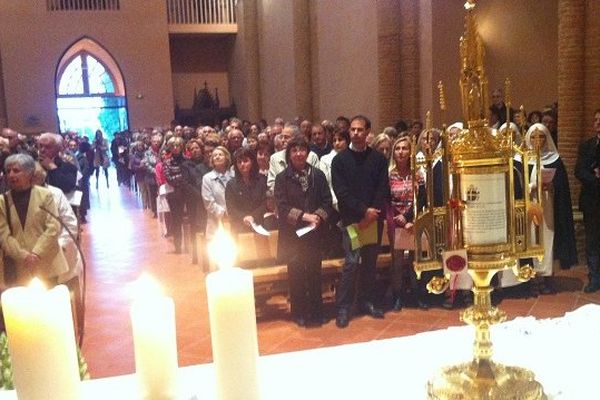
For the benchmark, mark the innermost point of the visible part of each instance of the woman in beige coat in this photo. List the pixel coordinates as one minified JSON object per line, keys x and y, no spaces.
{"x":28,"y":232}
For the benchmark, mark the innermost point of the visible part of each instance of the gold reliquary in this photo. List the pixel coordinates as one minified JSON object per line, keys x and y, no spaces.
{"x":481,"y":216}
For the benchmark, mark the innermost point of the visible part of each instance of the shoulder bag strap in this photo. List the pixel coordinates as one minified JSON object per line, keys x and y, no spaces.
{"x":7,"y":205}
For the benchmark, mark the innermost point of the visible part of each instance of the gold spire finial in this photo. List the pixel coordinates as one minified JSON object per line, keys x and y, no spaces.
{"x":442,"y":103}
{"x":507,"y":100}
{"x":442,"y":96}
{"x":473,"y":81}
{"x":507,"y":92}
{"x":428,"y":120}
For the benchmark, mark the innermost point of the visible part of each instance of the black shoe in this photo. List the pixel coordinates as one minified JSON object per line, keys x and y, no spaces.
{"x":448,"y":303}
{"x":315,"y":322}
{"x":497,"y":296}
{"x":547,"y":287}
{"x":534,"y":289}
{"x":370,"y":309}
{"x":342,"y":320}
{"x":591,"y":287}
{"x":300,"y":321}
{"x":467,"y":298}
{"x":398,"y":304}
{"x":422,"y":304}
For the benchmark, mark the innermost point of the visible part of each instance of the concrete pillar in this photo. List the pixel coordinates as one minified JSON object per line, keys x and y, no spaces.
{"x":302,"y":58}
{"x":314,"y":61}
{"x":248,"y":30}
{"x":571,"y":83}
{"x":3,"y":113}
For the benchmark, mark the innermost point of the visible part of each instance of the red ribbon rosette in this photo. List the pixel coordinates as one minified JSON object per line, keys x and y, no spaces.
{"x":456,"y":263}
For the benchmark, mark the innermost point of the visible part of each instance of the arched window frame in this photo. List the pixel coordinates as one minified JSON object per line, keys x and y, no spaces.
{"x":97,"y":51}
{"x":118,"y":98}
{"x":85,"y":76}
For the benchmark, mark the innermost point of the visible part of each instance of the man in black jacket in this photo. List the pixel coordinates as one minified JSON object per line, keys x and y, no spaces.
{"x":360,"y":182}
{"x":587,"y":170}
{"x":61,"y":174}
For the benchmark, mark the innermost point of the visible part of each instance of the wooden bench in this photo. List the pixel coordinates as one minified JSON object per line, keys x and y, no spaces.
{"x":258,"y":253}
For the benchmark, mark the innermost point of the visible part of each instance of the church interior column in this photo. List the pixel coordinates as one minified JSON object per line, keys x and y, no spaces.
{"x":592,"y":63}
{"x":571,"y":82}
{"x":302,"y":58}
{"x":248,"y":30}
{"x":3,"y":113}
{"x":410,"y":96}
{"x":398,"y":37}
{"x":389,"y":50}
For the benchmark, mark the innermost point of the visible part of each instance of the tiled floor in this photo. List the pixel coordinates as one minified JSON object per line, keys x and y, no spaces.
{"x":121,"y":241}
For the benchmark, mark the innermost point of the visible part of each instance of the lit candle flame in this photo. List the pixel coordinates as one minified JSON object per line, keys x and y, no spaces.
{"x":221,"y":249}
{"x":37,"y":284}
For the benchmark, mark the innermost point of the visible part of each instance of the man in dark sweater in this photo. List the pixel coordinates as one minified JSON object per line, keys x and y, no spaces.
{"x":61,"y":174}
{"x":587,"y":170}
{"x":360,"y":182}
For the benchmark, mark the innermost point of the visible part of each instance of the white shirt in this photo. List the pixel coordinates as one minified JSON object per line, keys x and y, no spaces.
{"x":325,"y":166}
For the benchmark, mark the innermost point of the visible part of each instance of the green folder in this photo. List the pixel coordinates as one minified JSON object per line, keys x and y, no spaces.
{"x":362,"y":237}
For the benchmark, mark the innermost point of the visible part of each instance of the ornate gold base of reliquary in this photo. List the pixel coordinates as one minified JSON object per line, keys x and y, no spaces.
{"x":482,"y":378}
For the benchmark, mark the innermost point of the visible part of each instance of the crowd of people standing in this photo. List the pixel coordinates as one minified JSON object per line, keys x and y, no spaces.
{"x":332,"y":179}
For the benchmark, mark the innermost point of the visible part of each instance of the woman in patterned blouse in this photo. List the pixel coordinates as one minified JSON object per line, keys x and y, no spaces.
{"x":400,"y":216}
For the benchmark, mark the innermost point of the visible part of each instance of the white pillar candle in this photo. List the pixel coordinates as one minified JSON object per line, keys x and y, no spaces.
{"x":41,"y":342}
{"x":232,"y":316}
{"x":154,"y":341}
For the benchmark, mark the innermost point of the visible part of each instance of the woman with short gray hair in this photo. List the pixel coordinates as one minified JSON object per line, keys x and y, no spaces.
{"x":28,"y":231}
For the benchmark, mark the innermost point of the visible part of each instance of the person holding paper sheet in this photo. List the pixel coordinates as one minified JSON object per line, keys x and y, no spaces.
{"x":303,"y":200}
{"x":360,"y":182}
{"x":558,"y":226}
{"x":246,"y":192}
{"x":400,"y":215}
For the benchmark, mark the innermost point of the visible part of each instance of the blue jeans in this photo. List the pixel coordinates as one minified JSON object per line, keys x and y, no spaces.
{"x":358,"y":264}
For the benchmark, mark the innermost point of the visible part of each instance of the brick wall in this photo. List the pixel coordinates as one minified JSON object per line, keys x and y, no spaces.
{"x":398,"y":61}
{"x":571,"y":80}
{"x":591,"y":63}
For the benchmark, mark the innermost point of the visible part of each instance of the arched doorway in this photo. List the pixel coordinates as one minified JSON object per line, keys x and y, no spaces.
{"x":90,"y":91}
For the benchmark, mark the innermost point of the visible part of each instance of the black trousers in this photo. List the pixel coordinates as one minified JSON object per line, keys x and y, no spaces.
{"x":304,"y":276}
{"x":591,"y":223}
{"x":177,"y":206}
{"x":359,"y":264}
{"x":152,"y":192}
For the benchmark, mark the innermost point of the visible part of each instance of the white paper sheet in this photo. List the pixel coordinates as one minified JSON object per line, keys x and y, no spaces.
{"x":304,"y":230}
{"x":260,"y":229}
